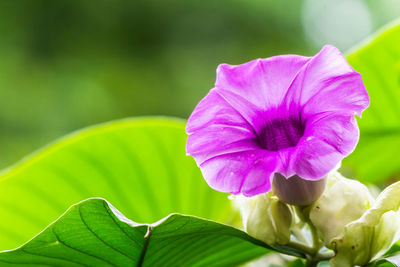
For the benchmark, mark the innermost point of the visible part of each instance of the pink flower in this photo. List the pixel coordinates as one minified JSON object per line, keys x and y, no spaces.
{"x":287,"y":114}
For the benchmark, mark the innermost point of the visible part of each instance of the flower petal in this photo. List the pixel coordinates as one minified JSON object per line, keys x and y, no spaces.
{"x":338,"y":130}
{"x":387,"y":233}
{"x":259,"y":177}
{"x":262,"y":82}
{"x":328,"y":138}
{"x":246,"y":172}
{"x":327,"y":83}
{"x":217,"y":140}
{"x":215,"y":128}
{"x":314,"y":158}
{"x":213,"y":109}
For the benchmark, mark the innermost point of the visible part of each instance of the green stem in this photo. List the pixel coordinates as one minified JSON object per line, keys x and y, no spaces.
{"x":313,"y":260}
{"x":313,"y":256}
{"x":300,"y":246}
{"x":299,"y":212}
{"x":311,"y":263}
{"x":316,"y":243}
{"x":324,"y":256}
{"x":312,"y":252}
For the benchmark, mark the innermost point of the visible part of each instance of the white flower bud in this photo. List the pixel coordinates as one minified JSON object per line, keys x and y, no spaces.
{"x":266,"y":218}
{"x":344,"y":200}
{"x":370,"y":236}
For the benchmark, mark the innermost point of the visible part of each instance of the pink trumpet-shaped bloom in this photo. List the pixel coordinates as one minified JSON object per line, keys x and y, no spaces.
{"x":287,"y":114}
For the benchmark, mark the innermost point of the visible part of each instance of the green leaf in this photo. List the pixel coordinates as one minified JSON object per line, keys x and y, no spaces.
{"x":385,"y":264}
{"x":392,"y":260}
{"x":296,"y":263}
{"x":140,"y":165}
{"x":395,"y":248}
{"x":94,"y":233}
{"x":376,"y":157}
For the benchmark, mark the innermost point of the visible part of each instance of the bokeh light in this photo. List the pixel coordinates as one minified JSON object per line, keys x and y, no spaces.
{"x":341,"y":23}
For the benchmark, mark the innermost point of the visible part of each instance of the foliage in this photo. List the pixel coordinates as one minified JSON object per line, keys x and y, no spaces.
{"x":94,"y":233}
{"x":376,"y":159}
{"x":138,"y":164}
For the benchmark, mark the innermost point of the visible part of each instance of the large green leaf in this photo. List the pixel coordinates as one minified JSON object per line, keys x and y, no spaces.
{"x":376,"y":158}
{"x":94,"y":233}
{"x":140,"y":165}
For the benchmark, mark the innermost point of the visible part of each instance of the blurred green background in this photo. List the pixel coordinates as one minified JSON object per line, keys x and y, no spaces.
{"x":65,"y":65}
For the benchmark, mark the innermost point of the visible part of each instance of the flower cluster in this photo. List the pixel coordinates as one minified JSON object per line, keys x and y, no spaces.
{"x":286,"y":123}
{"x":356,"y":226}
{"x":347,"y":219}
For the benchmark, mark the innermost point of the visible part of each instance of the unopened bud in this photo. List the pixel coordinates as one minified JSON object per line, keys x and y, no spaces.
{"x":296,"y":190}
{"x":343,"y":201}
{"x":370,"y":236}
{"x":266,"y":218}
{"x":281,"y":219}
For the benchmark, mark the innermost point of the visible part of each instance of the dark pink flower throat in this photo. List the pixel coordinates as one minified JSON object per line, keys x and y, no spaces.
{"x":281,"y":133}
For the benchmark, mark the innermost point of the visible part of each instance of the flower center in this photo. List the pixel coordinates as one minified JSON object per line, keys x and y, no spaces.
{"x":281,"y":133}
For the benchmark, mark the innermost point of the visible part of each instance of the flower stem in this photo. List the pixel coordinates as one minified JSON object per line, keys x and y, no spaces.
{"x":324,"y":256}
{"x":311,"y":263}
{"x":316,"y":243}
{"x":301,"y":247}
{"x":313,"y":256}
{"x":321,"y":256}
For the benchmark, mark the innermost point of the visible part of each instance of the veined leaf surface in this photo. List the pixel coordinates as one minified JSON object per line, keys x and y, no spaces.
{"x":140,"y":165}
{"x":94,"y":233}
{"x":376,"y":158}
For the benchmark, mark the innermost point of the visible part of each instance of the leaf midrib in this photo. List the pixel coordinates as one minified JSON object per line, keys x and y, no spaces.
{"x":145,"y":246}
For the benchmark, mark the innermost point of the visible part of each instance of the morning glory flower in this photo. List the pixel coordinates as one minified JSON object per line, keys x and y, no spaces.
{"x":289,"y":114}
